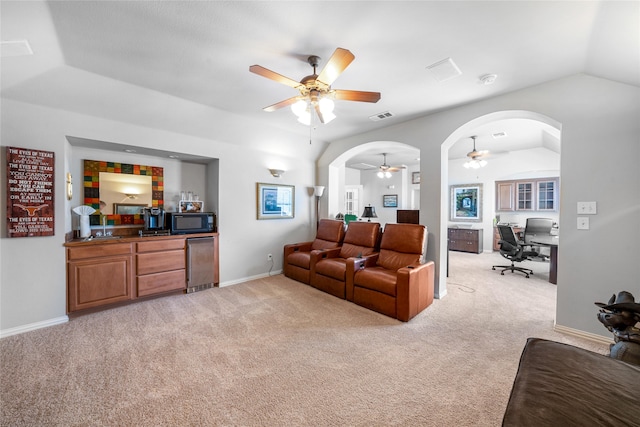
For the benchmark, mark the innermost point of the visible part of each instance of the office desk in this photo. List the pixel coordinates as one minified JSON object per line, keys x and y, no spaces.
{"x":552,"y":243}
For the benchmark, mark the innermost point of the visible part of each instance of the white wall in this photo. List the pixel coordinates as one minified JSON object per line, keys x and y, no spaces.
{"x":32,"y":276}
{"x":599,"y":154}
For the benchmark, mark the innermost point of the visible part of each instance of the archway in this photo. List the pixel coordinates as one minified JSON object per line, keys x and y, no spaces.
{"x":461,"y":132}
{"x":332,"y":204}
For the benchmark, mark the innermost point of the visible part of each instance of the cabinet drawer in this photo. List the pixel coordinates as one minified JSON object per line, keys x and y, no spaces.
{"x":98,"y":251}
{"x":161,"y":261}
{"x":161,"y":282}
{"x":160,"y":245}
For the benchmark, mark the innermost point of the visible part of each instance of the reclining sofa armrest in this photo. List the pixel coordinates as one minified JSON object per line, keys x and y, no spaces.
{"x":415,"y":289}
{"x":354,"y":264}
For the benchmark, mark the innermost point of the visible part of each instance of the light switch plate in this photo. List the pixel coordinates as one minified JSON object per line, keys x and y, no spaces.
{"x":583,"y":223}
{"x":587,"y":208}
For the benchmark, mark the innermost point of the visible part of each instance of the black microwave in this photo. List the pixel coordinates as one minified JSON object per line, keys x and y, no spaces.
{"x":186,"y":223}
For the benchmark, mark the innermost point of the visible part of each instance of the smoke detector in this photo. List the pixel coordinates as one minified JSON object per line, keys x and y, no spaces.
{"x":488,"y":79}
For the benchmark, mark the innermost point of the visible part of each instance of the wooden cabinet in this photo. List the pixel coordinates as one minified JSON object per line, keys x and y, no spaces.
{"x":465,"y":240}
{"x":540,"y":194}
{"x":106,"y":272}
{"x":160,"y":266}
{"x":98,"y":275}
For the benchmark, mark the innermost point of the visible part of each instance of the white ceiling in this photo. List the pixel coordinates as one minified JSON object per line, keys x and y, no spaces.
{"x":201,"y":51}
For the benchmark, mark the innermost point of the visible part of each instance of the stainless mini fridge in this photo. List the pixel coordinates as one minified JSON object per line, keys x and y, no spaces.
{"x":200,"y":263}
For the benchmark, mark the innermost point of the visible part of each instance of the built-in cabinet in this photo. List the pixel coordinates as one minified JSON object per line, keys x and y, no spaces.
{"x":540,"y":194}
{"x":104,"y":272}
{"x":465,"y":240}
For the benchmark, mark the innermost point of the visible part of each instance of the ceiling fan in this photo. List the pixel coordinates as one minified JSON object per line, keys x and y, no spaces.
{"x":384,"y":171}
{"x":476,"y":158}
{"x":316,"y":93}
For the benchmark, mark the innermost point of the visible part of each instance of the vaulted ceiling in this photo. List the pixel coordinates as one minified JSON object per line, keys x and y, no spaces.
{"x":201,"y":52}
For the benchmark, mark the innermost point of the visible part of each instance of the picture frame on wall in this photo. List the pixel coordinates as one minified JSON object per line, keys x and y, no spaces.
{"x":466,"y":203}
{"x":275,"y":201}
{"x":390,"y":201}
{"x":415,"y":177}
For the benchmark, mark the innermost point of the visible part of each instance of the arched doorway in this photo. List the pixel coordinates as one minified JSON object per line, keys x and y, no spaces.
{"x":543,"y":124}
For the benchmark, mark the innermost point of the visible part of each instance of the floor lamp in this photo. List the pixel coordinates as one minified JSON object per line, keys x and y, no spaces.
{"x":318,"y":191}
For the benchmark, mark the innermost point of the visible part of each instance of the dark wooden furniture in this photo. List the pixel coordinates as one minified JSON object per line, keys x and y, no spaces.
{"x":407,"y":216}
{"x":465,"y":240}
{"x":109,"y":271}
{"x":552,"y":242}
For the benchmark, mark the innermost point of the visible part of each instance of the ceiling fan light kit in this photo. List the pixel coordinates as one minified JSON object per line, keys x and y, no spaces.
{"x":475,"y":157}
{"x":316,"y":93}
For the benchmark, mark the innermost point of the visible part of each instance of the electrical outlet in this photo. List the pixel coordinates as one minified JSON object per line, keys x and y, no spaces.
{"x":269,"y":257}
{"x":583,"y":223}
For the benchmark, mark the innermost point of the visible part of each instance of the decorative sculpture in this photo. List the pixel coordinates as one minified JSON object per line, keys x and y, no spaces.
{"x":620,"y":316}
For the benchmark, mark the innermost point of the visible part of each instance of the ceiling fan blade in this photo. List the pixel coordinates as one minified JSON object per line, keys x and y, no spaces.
{"x":281,"y":104}
{"x":264,"y":72}
{"x":396,"y":168}
{"x":338,"y":62}
{"x":319,"y":113}
{"x":356,"y":95}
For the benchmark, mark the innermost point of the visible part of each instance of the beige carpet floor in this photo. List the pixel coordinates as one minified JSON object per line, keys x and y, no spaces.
{"x":274,"y":352}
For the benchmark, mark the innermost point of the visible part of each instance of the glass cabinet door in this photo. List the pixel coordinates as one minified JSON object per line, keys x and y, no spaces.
{"x":524,"y":196}
{"x":546,"y":195}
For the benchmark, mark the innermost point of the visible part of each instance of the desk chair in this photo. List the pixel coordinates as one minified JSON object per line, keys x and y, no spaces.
{"x":513,"y":250}
{"x":538,"y":227}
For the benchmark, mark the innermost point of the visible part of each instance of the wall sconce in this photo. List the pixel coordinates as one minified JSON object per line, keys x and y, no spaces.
{"x":276,"y":173}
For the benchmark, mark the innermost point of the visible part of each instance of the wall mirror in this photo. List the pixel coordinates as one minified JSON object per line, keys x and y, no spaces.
{"x":125,"y":189}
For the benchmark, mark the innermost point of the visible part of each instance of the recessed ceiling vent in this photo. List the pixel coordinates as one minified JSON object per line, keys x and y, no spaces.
{"x":381,"y":116}
{"x":444,"y":70}
{"x":499,"y":135}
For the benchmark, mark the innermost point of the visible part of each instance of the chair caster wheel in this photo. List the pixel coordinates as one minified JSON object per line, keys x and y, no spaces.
{"x":493,"y":268}
{"x":527,"y":276}
{"x":502,"y":273}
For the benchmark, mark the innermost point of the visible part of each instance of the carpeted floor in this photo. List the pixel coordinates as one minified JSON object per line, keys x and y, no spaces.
{"x":274,"y":352}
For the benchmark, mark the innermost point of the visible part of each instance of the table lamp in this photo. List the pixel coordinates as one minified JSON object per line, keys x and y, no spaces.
{"x":369,"y":212}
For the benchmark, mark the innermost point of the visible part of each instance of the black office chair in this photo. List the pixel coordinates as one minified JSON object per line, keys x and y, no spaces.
{"x":513,"y":250}
{"x":537,"y":227}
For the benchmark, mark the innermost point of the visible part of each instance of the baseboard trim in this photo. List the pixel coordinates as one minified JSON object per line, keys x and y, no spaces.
{"x":33,"y":326}
{"x":582,"y":334}
{"x":247,"y":279}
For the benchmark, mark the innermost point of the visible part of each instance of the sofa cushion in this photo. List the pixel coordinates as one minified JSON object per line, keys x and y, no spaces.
{"x":360,"y":240}
{"x":329,"y":235}
{"x":392,"y":260}
{"x":300,"y":259}
{"x":332,"y":267}
{"x":377,"y":279}
{"x":323,"y":244}
{"x":401,"y":245}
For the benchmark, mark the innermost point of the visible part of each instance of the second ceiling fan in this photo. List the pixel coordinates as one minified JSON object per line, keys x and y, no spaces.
{"x":315,"y":90}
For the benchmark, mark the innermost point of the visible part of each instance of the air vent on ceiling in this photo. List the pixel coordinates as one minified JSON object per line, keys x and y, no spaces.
{"x":15,"y":48}
{"x":381,"y":116}
{"x":499,"y":135}
{"x":444,"y":70}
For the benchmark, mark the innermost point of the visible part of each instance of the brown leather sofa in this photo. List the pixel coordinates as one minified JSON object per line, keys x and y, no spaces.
{"x":297,"y":256}
{"x":329,"y":267}
{"x":394,"y":282}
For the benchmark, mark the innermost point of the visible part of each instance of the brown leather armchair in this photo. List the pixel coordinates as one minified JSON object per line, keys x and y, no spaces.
{"x":329,"y":267}
{"x":296,"y":260}
{"x":395,"y":283}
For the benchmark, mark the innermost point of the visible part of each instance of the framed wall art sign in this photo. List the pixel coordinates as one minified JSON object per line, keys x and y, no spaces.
{"x":415,"y":177}
{"x":30,"y":192}
{"x":466,"y":202}
{"x":390,"y":201}
{"x":275,"y":201}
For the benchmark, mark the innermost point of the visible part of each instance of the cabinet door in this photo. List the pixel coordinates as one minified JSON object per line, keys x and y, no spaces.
{"x":524,"y":196}
{"x":505,"y":196}
{"x":97,"y":282}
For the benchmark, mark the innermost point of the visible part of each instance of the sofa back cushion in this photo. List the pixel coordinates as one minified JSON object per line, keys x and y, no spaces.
{"x":329,"y":235}
{"x":361,"y":239}
{"x":401,"y":245}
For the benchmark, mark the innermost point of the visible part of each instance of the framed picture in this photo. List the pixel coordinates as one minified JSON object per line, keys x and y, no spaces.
{"x":275,"y":201}
{"x":390,"y":201}
{"x":466,"y":203}
{"x":415,"y":177}
{"x":127,"y":209}
{"x":186,"y":206}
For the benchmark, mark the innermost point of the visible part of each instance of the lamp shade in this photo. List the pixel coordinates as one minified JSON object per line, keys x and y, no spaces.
{"x":318,"y":190}
{"x":369,"y":212}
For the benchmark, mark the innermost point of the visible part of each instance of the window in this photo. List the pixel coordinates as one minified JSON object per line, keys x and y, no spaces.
{"x":352,"y":199}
